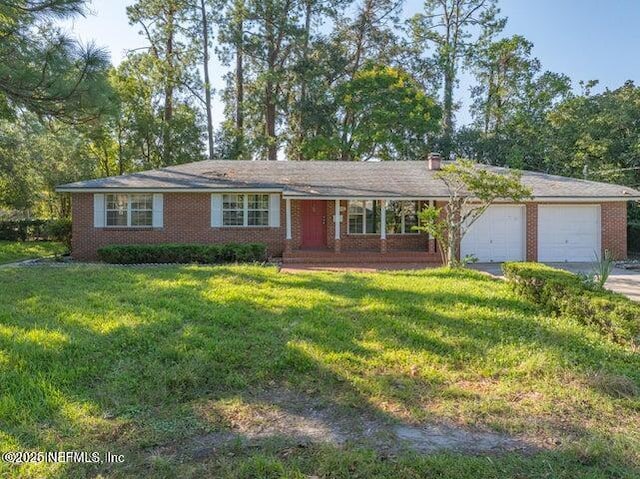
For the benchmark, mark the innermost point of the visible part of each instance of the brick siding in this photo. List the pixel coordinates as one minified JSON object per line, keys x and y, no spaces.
{"x":531,"y":217}
{"x":614,"y":228}
{"x":187,"y":219}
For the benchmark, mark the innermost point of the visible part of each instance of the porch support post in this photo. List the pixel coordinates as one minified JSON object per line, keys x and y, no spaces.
{"x":336,"y":225}
{"x":287,"y":246}
{"x":383,"y":226}
{"x":431,"y":248}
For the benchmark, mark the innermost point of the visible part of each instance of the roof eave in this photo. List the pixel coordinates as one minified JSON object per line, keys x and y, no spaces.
{"x":309,"y":196}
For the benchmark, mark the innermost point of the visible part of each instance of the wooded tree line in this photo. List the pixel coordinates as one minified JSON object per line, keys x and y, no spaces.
{"x":307,"y":79}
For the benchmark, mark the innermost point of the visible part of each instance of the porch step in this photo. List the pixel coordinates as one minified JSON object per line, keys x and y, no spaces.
{"x":355,"y":257}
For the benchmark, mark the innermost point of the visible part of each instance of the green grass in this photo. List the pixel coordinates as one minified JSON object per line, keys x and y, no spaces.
{"x":11,"y":251}
{"x":142,"y":360}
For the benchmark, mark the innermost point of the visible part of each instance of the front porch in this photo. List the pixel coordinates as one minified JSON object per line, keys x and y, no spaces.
{"x":322,"y":231}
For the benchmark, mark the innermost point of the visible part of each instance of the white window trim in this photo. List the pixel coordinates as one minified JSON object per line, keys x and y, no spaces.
{"x":128,"y":225}
{"x":245,"y":211}
{"x":364,"y":219}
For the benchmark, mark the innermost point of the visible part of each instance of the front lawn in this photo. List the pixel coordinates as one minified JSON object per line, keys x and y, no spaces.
{"x":11,"y":251}
{"x":161,"y":364}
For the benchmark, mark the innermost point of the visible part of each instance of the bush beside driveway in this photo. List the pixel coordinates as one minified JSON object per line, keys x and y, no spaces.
{"x":623,"y":281}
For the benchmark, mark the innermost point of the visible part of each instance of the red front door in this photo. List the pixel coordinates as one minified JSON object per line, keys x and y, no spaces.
{"x":314,"y":223}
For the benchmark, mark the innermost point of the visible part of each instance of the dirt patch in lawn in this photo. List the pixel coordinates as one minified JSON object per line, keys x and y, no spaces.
{"x":298,"y":420}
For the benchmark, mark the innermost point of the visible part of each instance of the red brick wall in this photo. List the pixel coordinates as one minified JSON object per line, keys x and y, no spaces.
{"x":187,"y":219}
{"x":531,"y":217}
{"x":614,"y":228}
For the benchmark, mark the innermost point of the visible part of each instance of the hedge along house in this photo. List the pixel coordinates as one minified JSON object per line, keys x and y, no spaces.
{"x":326,"y":211}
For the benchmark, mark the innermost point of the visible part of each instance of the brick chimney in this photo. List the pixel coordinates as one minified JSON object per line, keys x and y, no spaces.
{"x":434,"y":161}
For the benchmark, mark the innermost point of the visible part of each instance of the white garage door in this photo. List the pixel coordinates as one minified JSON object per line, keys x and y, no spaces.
{"x":498,"y":235}
{"x":568,"y":233}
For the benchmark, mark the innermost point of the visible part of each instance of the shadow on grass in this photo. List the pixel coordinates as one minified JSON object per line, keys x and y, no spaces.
{"x":117,"y":357}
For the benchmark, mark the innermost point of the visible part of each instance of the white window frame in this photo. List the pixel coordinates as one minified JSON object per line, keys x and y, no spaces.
{"x":245,"y":210}
{"x":403,"y":231}
{"x":364,"y":217}
{"x":129,"y":210}
{"x":248,"y":210}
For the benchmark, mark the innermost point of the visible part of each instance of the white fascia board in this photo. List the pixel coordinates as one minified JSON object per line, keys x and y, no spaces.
{"x":168,"y":190}
{"x":550,"y":199}
{"x":364,"y":197}
{"x":538,"y":199}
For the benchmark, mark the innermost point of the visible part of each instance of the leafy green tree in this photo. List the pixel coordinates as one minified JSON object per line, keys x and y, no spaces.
{"x":511,"y":101}
{"x":37,"y":156}
{"x":471,"y":189}
{"x":457,"y":29}
{"x":503,"y":70}
{"x":274,"y":34}
{"x":42,"y":69}
{"x":393,"y":118}
{"x":169,"y":63}
{"x":597,"y":136}
{"x":139,"y":130}
{"x":230,"y":20}
{"x":523,"y":142}
{"x":204,"y":24}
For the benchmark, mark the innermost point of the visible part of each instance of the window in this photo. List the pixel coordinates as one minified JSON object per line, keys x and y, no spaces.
{"x":364,"y":217}
{"x":402,"y":216}
{"x":141,"y":210}
{"x":239,"y":209}
{"x":129,"y":210}
{"x":233,"y":210}
{"x":258,"y":210}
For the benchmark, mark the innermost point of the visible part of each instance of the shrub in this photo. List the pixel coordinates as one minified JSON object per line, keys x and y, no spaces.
{"x":183,"y":253}
{"x":21,"y":230}
{"x":633,"y":236}
{"x":32,"y":230}
{"x":59,"y":230}
{"x":565,"y":295}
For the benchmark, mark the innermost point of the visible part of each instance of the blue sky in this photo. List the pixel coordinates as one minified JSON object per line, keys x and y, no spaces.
{"x":585,"y":39}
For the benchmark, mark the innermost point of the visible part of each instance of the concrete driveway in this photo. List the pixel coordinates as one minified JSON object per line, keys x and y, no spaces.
{"x":624,"y":281}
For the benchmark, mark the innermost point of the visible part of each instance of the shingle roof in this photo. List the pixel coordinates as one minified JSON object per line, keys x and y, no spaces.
{"x":411,"y":179}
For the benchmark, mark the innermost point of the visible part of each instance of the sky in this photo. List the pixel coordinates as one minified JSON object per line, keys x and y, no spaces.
{"x":584,"y":39}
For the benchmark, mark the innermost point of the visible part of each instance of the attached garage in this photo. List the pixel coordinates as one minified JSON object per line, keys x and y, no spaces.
{"x":568,"y":233}
{"x":498,"y":235}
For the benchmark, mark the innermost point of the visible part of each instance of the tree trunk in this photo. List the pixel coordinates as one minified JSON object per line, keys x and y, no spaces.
{"x":453,"y":247}
{"x":120,"y":149}
{"x":269,"y":95}
{"x":240,"y":90}
{"x":365,"y":21}
{"x":270,"y":122}
{"x":239,"y":14}
{"x":447,"y":114}
{"x":207,"y":83}
{"x":302,"y":131}
{"x":168,"y":93}
{"x":487,"y":108}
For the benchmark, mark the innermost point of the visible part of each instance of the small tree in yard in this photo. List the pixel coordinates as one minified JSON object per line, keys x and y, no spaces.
{"x":471,"y":191}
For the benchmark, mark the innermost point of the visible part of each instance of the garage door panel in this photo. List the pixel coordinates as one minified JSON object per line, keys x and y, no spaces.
{"x":568,"y":233}
{"x":498,"y":235}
